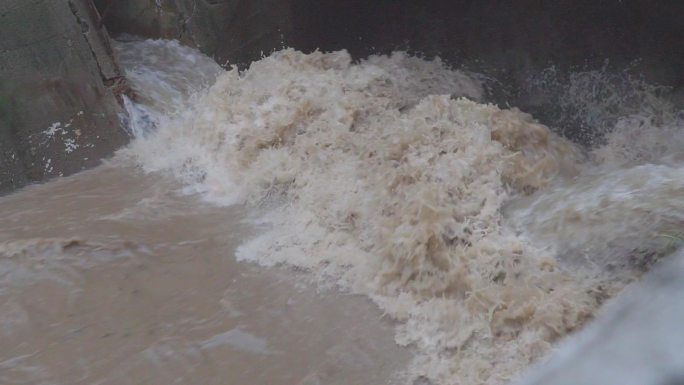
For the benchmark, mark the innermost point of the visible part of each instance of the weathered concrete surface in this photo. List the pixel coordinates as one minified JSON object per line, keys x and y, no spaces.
{"x":230,"y":31}
{"x":58,"y":79}
{"x":508,"y":40}
{"x":237,"y":31}
{"x":148,"y":18}
{"x":514,"y":38}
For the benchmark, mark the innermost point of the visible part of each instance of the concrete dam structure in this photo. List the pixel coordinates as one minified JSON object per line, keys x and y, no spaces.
{"x":436,"y":192}
{"x":75,"y":80}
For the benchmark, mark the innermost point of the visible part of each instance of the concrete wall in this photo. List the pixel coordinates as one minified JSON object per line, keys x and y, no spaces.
{"x":55,"y":60}
{"x":509,"y":40}
{"x":235,"y":31}
{"x":58,"y":86}
{"x":147,"y":18}
{"x":509,"y":37}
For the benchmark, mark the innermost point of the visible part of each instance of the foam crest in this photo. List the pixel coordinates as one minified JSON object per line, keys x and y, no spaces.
{"x":387,"y":177}
{"x":587,"y":104}
{"x":378,"y":176}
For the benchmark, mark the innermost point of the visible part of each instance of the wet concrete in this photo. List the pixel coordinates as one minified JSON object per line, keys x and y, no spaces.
{"x":59,"y":82}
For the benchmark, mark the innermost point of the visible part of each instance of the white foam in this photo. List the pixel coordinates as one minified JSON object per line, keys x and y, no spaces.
{"x":381,"y":177}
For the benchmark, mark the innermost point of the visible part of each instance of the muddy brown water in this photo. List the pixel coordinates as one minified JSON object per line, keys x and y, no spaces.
{"x":119,"y":277}
{"x":111,"y":277}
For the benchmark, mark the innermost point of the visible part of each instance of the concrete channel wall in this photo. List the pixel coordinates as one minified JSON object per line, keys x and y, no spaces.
{"x":230,"y":31}
{"x":59,"y":79}
{"x":58,"y":85}
{"x":510,"y":41}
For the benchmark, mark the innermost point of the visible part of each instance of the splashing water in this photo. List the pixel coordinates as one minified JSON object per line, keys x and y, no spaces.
{"x":587,"y":104}
{"x":485,"y":234}
{"x":161,"y":93}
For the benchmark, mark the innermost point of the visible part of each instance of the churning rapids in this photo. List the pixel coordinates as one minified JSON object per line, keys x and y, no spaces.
{"x":482,"y":236}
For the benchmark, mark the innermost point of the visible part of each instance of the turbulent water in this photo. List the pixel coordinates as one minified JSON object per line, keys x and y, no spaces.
{"x":109,"y":277}
{"x":484,"y":234}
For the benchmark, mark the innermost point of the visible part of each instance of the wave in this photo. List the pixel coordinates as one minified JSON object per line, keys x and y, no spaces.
{"x":389,"y":178}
